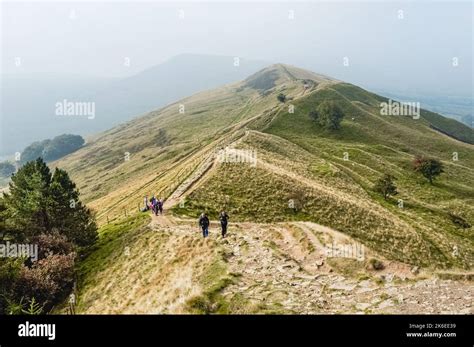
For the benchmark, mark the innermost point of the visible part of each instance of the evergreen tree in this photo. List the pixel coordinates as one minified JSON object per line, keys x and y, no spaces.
{"x":28,"y":200}
{"x":69,"y":216}
{"x":39,"y":203}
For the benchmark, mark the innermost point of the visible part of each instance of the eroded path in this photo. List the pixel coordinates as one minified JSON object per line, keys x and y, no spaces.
{"x":286,"y":268}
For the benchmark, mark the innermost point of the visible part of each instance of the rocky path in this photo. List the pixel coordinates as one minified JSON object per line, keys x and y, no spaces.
{"x":285,"y":268}
{"x":277,"y":272}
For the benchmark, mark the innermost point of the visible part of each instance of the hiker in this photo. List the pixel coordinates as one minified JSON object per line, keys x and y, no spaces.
{"x":153,"y":203}
{"x":145,"y":201}
{"x":204,"y":224}
{"x":223,"y":217}
{"x":160,"y":206}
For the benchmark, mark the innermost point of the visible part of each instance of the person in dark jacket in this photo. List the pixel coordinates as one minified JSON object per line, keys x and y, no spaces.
{"x":204,"y":224}
{"x":223,"y":217}
{"x":160,"y":206}
{"x":153,"y":204}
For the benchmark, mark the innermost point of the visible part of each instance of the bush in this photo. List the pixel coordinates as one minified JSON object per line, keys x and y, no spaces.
{"x":297,"y":199}
{"x":376,"y":264}
{"x":328,"y":115}
{"x":199,"y":305}
{"x":49,"y":280}
{"x":53,"y":243}
{"x":428,"y":167}
{"x":385,"y":186}
{"x":281,"y":97}
{"x":9,"y":272}
{"x":459,"y":221}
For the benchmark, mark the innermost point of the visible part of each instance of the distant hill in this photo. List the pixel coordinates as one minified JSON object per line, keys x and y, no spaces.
{"x":459,"y":108}
{"x":116,"y":100}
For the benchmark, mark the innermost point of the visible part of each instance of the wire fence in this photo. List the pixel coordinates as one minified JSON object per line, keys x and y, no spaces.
{"x":180,"y":178}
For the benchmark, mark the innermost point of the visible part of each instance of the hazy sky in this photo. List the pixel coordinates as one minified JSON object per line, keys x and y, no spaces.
{"x":395,"y":45}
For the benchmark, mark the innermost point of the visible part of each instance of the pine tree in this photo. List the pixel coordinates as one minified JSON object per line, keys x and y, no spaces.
{"x":69,"y":216}
{"x":39,"y":203}
{"x":28,"y":200}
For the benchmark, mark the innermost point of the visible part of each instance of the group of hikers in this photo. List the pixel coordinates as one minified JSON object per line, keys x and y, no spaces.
{"x":204,"y":223}
{"x":156,"y":205}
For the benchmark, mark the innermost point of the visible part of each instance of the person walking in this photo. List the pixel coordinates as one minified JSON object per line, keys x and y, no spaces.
{"x":204,"y":224}
{"x":223,"y":217}
{"x":145,"y":201}
{"x":160,"y":205}
{"x":153,"y":204}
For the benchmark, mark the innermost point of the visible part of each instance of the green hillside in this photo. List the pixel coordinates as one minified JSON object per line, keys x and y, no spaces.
{"x":165,"y":147}
{"x":303,"y":174}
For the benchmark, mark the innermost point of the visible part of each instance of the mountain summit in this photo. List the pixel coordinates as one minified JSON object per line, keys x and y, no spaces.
{"x":281,"y":73}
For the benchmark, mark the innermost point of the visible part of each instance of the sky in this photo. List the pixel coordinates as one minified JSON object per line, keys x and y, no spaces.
{"x":400,"y":46}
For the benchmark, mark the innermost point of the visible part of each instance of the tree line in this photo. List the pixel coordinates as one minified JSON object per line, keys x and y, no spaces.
{"x":42,"y":208}
{"x":49,"y":150}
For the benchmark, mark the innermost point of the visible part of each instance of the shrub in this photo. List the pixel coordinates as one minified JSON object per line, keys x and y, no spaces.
{"x":9,"y":272}
{"x":428,"y":167}
{"x":328,"y":115}
{"x":376,"y":264}
{"x":53,"y":243}
{"x":385,"y":186}
{"x":297,"y":199}
{"x":459,"y":221}
{"x":49,"y":280}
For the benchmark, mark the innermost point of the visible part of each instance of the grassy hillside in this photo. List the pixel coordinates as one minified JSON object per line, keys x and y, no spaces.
{"x":310,"y":187}
{"x":138,"y":267}
{"x":328,"y":174}
{"x":375,"y":144}
{"x":166,"y":146}
{"x":339,"y":195}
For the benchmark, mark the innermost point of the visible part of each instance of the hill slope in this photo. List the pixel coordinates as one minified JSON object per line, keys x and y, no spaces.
{"x":173,"y":154}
